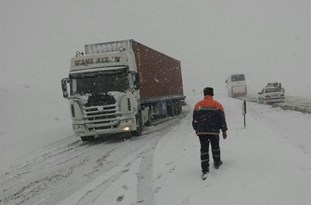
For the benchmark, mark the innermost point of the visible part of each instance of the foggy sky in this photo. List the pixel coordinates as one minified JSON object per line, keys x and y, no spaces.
{"x":267,"y":40}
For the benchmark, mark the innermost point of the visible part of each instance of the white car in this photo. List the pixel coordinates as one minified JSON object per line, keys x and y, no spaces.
{"x":271,"y":95}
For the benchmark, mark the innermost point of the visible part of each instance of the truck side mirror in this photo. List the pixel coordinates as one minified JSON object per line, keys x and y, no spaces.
{"x":65,"y":87}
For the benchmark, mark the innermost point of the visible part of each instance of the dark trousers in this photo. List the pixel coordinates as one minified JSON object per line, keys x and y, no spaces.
{"x":204,"y":141}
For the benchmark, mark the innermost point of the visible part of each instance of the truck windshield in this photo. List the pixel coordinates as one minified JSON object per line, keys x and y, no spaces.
{"x":99,"y":82}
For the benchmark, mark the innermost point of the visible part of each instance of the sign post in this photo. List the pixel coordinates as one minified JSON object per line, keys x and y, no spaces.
{"x":244,"y":112}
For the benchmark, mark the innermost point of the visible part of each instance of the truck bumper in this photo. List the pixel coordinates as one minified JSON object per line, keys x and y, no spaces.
{"x":91,"y":129}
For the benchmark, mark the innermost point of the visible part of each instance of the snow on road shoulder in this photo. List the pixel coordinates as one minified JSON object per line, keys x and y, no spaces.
{"x":27,"y":124}
{"x":262,"y":164}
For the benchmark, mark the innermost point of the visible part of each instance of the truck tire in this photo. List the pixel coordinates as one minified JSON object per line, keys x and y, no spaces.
{"x":168,"y":109}
{"x":139,"y":128}
{"x":149,"y":122}
{"x":176,"y":108}
{"x":179,"y":107}
{"x":171,"y":111}
{"x":87,"y":138}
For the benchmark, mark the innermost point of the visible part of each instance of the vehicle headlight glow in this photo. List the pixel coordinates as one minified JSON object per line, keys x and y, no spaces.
{"x":75,"y":127}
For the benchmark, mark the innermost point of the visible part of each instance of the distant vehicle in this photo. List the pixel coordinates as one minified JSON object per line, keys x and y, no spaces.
{"x":236,"y":85}
{"x":272,"y":93}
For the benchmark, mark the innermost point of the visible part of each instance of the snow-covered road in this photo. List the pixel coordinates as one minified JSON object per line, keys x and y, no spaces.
{"x":266,"y":163}
{"x":73,"y":172}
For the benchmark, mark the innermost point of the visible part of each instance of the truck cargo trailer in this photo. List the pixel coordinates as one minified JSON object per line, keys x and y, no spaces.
{"x":121,"y":86}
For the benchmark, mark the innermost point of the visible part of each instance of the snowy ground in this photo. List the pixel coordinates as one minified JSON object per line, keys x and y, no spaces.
{"x":266,"y":163}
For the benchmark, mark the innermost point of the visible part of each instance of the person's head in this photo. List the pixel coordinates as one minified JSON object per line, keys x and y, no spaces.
{"x":208,"y":91}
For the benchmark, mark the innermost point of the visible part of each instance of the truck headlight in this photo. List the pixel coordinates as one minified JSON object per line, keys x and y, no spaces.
{"x":76,"y":127}
{"x":127,"y":121}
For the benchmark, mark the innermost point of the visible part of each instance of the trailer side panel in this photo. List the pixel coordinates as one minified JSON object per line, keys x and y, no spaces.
{"x":160,"y":75}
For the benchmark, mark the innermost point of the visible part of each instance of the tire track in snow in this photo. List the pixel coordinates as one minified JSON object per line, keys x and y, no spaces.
{"x":145,"y":184}
{"x":51,"y":168}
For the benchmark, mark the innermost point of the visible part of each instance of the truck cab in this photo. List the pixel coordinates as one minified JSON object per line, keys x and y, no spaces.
{"x":103,"y":89}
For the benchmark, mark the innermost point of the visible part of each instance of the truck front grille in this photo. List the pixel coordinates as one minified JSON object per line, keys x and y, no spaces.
{"x":101,"y":116}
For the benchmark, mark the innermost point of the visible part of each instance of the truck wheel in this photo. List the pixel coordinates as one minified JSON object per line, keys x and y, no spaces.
{"x":179,"y":108}
{"x":171,"y":109}
{"x":139,"y":128}
{"x":87,"y":138}
{"x":149,"y":122}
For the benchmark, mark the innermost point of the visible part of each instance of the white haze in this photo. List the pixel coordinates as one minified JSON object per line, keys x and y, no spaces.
{"x":267,"y":40}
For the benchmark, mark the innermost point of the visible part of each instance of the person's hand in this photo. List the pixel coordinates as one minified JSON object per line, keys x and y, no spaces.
{"x":224,"y":135}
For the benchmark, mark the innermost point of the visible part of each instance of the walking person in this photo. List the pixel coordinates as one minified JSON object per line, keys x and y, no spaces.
{"x":208,"y":120}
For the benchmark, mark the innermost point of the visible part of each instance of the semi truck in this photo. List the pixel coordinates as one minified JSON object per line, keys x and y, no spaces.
{"x":121,"y":86}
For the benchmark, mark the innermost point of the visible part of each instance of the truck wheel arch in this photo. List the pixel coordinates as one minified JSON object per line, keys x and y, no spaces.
{"x":139,"y":122}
